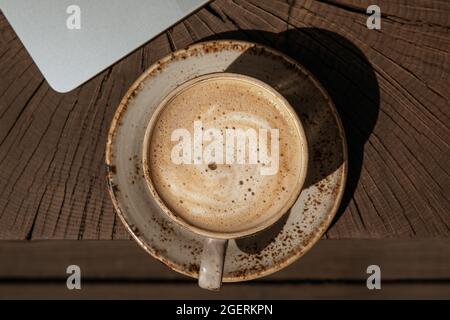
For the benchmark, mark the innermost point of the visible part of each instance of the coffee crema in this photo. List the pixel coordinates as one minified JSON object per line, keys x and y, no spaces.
{"x":226,"y":198}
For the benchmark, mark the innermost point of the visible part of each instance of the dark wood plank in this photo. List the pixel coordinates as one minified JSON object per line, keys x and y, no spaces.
{"x":189,"y":291}
{"x":52,"y":182}
{"x":329,"y":260}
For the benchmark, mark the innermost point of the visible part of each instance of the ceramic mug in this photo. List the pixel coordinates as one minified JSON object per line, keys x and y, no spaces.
{"x":215,"y":241}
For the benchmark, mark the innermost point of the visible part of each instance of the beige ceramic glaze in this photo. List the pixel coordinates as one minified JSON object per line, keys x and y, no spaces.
{"x":214,"y":248}
{"x":273,"y":248}
{"x":283,"y":104}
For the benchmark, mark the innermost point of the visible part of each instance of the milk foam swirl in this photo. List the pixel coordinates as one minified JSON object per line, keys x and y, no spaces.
{"x":224,"y":197}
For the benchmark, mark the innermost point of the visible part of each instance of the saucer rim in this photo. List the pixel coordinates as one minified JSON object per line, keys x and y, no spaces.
{"x":121,"y":109}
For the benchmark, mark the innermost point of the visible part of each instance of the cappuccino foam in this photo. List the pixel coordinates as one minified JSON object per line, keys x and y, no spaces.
{"x":224,"y":197}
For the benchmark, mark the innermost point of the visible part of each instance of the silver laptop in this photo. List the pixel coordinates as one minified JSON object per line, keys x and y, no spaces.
{"x":73,"y":40}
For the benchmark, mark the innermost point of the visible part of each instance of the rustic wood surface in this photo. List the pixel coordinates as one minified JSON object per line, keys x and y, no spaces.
{"x":391,"y":87}
{"x":189,"y":291}
{"x":330,"y":260}
{"x":410,"y":268}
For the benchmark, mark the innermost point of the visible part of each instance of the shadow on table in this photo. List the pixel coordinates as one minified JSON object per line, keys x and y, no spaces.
{"x":349,"y":79}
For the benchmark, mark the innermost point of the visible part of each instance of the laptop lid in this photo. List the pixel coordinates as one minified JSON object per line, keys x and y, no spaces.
{"x":73,"y":40}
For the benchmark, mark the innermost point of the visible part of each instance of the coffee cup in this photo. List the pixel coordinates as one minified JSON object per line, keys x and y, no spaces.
{"x":225,"y":156}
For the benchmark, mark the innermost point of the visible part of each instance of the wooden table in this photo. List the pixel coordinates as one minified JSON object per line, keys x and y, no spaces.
{"x":391,"y":87}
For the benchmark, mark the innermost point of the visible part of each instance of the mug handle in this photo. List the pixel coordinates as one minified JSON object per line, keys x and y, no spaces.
{"x":211,"y":265}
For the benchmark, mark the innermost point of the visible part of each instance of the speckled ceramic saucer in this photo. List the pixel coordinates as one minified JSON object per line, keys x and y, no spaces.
{"x":298,"y":230}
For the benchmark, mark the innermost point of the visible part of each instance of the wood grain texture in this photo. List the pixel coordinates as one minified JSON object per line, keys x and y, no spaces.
{"x":243,"y":291}
{"x":391,"y":87}
{"x":329,"y":260}
{"x":410,"y":268}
